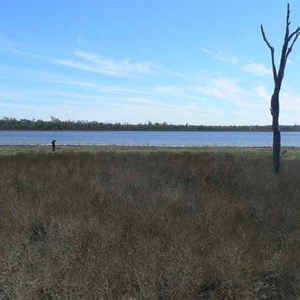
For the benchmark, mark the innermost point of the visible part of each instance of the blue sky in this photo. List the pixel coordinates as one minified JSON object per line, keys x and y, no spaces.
{"x":196,"y":62}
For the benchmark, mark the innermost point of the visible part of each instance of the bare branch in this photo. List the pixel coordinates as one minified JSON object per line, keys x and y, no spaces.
{"x":286,"y":37}
{"x":272,"y":52}
{"x":288,"y":19}
{"x":295,"y":32}
{"x":291,"y":47}
{"x":285,"y":51}
{"x":294,"y":35}
{"x":265,"y":39}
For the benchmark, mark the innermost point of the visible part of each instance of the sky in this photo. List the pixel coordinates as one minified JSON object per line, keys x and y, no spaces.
{"x":197,"y":62}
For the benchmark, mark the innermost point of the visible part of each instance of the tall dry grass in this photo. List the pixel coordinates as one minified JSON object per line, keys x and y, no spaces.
{"x":148,"y":226}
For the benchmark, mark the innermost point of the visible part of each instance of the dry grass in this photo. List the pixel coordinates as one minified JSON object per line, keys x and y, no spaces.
{"x":161,"y":225}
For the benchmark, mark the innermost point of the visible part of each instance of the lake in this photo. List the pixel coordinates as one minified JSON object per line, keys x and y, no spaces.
{"x":147,"y":138}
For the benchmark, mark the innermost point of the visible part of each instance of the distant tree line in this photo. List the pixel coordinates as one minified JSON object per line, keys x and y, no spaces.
{"x":56,"y":124}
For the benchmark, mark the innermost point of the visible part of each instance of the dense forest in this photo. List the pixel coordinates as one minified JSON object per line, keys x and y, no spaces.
{"x":56,"y":124}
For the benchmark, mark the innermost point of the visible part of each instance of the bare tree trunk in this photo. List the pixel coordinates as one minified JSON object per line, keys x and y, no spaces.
{"x":276,"y":131}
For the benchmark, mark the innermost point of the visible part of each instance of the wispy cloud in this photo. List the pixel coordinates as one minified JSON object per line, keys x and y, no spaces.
{"x":93,"y":62}
{"x":5,"y":43}
{"x":9,"y":46}
{"x":260,"y":91}
{"x":99,"y":88}
{"x":9,"y":95}
{"x":220,"y":87}
{"x":182,"y":76}
{"x":220,"y":55}
{"x":289,"y":107}
{"x":59,"y":81}
{"x":257,"y":69}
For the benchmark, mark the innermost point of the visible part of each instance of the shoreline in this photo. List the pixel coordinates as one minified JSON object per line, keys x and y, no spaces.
{"x":286,"y":152}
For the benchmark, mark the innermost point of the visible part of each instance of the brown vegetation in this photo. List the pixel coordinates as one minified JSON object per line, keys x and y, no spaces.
{"x":133,"y":225}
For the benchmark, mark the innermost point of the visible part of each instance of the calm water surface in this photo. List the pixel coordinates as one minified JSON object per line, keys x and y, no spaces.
{"x":146,"y":138}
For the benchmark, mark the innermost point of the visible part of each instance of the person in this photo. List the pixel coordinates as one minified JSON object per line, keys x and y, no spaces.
{"x":53,"y":145}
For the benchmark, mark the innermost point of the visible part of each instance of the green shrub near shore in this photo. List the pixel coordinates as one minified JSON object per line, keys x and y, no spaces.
{"x":148,"y":225}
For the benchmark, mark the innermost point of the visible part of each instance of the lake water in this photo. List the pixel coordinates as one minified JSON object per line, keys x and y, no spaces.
{"x":146,"y":138}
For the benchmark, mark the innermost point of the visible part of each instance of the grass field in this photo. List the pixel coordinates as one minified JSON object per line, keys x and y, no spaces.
{"x":148,"y":223}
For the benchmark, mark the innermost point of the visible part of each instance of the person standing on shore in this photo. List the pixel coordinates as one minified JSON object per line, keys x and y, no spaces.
{"x":53,"y":145}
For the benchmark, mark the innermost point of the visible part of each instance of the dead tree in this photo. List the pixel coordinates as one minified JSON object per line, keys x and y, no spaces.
{"x":288,"y":43}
